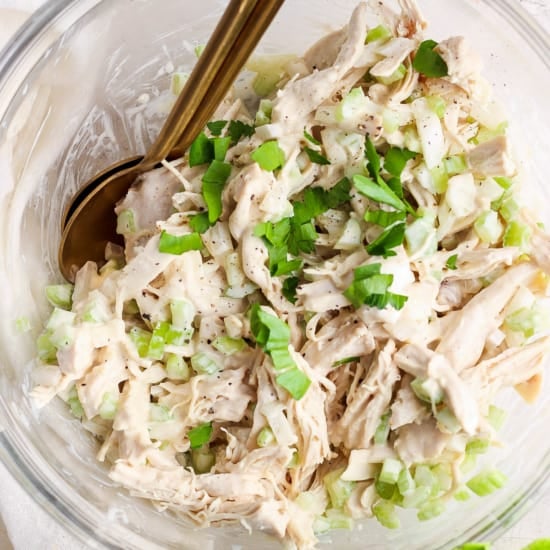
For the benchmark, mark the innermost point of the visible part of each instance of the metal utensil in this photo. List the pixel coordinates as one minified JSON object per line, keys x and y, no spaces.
{"x":89,"y":222}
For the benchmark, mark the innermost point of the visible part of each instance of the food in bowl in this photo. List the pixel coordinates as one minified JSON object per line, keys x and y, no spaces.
{"x":316,"y":306}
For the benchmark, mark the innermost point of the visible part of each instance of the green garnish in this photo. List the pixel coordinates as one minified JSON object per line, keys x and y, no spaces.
{"x":384,"y":218}
{"x":378,"y":33}
{"x":396,"y":159}
{"x":201,"y":150}
{"x":221,"y":145}
{"x":315,"y":156}
{"x":379,"y":192}
{"x":199,"y":222}
{"x":310,"y":138}
{"x":269,"y":156}
{"x":428,"y":62}
{"x":213,"y":183}
{"x":174,"y":244}
{"x":238,"y":129}
{"x":273,"y":336}
{"x":391,"y":237}
{"x":216,"y":127}
{"x":200,"y":435}
{"x":290,"y":284}
{"x":451,"y":261}
{"x":345,"y":360}
{"x":370,"y":287}
{"x":486,"y":482}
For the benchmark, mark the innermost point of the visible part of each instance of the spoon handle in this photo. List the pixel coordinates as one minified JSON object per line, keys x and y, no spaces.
{"x":239,"y":30}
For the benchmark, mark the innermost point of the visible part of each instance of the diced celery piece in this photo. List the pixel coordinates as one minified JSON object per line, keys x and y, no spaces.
{"x":125,"y":222}
{"x":321,"y":524}
{"x":265,"y":437}
{"x":421,"y":235}
{"x":338,"y":519}
{"x":159,"y":413}
{"x":517,"y":234}
{"x":155,"y":350}
{"x":109,"y":405}
{"x":390,"y":121}
{"x":509,"y":208}
{"x":475,"y":546}
{"x":397,"y":75}
{"x":405,"y":482}
{"x":539,"y":544}
{"x":202,"y":460}
{"x":416,"y":497}
{"x":177,"y":83}
{"x":204,"y":364}
{"x":177,"y":368}
{"x":505,"y":183}
{"x":496,"y":417}
{"x":437,"y":105}
{"x":22,"y":324}
{"x":386,"y":514}
{"x":63,"y":337}
{"x":385,"y":490}
{"x":486,"y":482}
{"x":45,"y":349}
{"x":199,"y":48}
{"x":443,"y":476}
{"x":60,"y":317}
{"x":74,"y":403}
{"x":352,"y":104}
{"x":423,"y":476}
{"x":390,"y":471}
{"x":383,"y":429}
{"x":294,"y":460}
{"x":140,"y":338}
{"x":427,"y":390}
{"x":455,"y":165}
{"x":468,"y":463}
{"x":488,"y":227}
{"x":477,"y":446}
{"x":60,"y":295}
{"x":183,"y":314}
{"x":263,"y":115}
{"x":228,"y":345}
{"x":462,"y":494}
{"x":378,"y":33}
{"x":440,"y":178}
{"x":350,"y":237}
{"x":430,"y":509}
{"x":95,"y":311}
{"x":338,"y":490}
{"x":447,"y":420}
{"x":486,"y":134}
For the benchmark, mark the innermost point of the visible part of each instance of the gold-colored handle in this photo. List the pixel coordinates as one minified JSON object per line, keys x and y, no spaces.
{"x":242,"y":25}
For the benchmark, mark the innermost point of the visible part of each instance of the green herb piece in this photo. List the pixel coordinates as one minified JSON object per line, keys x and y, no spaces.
{"x":269,"y":156}
{"x":428,"y":62}
{"x":396,"y":159}
{"x":290,"y":284}
{"x":201,"y":150}
{"x":315,"y":156}
{"x":213,"y":183}
{"x":216,"y":127}
{"x":451,"y":262}
{"x":221,"y":145}
{"x":199,"y":222}
{"x":310,"y":138}
{"x":378,"y":33}
{"x":390,"y":238}
{"x":384,"y":218}
{"x":238,"y":129}
{"x":373,"y":158}
{"x":345,"y":361}
{"x":200,"y":435}
{"x":376,"y":192}
{"x":172,"y":244}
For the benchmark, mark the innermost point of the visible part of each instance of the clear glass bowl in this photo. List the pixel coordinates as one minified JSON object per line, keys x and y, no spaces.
{"x":73,"y":85}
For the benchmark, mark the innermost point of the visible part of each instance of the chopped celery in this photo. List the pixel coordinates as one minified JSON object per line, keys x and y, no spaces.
{"x":496,"y":417}
{"x":447,"y":420}
{"x":443,"y":476}
{"x":421,"y":236}
{"x":539,"y":544}
{"x":477,"y":446}
{"x":440,"y":178}
{"x":397,"y":75}
{"x":183,"y":314}
{"x":60,"y":296}
{"x":474,"y":546}
{"x":265,"y":437}
{"x":177,"y":368}
{"x":468,"y":463}
{"x":424,"y":477}
{"x":159,"y":413}
{"x":383,"y":429}
{"x":486,"y":134}
{"x":294,"y":460}
{"x":263,"y":115}
{"x":437,"y":105}
{"x":455,"y":165}
{"x":351,"y":105}
{"x":203,"y":364}
{"x":228,"y":345}
{"x":509,"y":208}
{"x":528,"y":320}
{"x":338,"y":490}
{"x":47,"y":352}
{"x":385,"y":490}
{"x":427,"y":390}
{"x":486,"y":482}
{"x":390,"y":121}
{"x":405,"y":482}
{"x":62,"y":337}
{"x":416,"y":497}
{"x":155,"y":349}
{"x":386,"y":515}
{"x":140,"y":338}
{"x":391,"y":469}
{"x":126,"y":223}
{"x":200,"y":435}
{"x":199,"y":48}
{"x":60,"y":317}
{"x":269,"y":156}
{"x":378,"y":33}
{"x":108,"y":407}
{"x":338,"y":519}
{"x":202,"y":460}
{"x":488,"y":227}
{"x":430,"y":509}
{"x":462,"y":494}
{"x":505,"y":183}
{"x":177,"y":83}
{"x":22,"y":324}
{"x":350,"y":237}
{"x":74,"y":403}
{"x":517,"y":234}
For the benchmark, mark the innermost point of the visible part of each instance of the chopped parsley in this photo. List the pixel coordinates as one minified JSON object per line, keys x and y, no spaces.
{"x":173,"y":244}
{"x":451,"y":261}
{"x":428,"y":62}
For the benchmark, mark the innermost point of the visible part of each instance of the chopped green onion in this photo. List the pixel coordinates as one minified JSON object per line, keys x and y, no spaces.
{"x":174,"y":244}
{"x":177,"y":368}
{"x":451,"y":262}
{"x":265,"y":437}
{"x":428,"y":62}
{"x":60,"y":295}
{"x":200,"y":435}
{"x":315,"y":156}
{"x":391,"y":468}
{"x":294,"y":381}
{"x":345,"y":360}
{"x":378,"y":33}
{"x":125,"y":222}
{"x":383,"y":429}
{"x":486,"y":482}
{"x":228,"y":345}
{"x":338,"y":490}
{"x":108,"y":407}
{"x":213,"y":183}
{"x":269,"y":156}
{"x":386,"y":515}
{"x":201,"y":150}
{"x":204,"y":364}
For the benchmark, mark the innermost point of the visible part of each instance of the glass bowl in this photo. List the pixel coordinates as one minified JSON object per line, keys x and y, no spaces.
{"x":83,"y":84}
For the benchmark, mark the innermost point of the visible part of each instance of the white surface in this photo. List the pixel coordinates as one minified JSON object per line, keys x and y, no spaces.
{"x":29,"y":528}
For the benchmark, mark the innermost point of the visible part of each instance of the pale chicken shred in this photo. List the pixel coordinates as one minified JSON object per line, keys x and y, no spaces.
{"x":412,"y":383}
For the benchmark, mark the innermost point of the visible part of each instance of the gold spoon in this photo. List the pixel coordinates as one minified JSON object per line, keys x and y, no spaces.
{"x":89,"y":222}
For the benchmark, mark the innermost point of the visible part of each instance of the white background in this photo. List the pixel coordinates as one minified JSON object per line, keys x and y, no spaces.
{"x":29,"y":528}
